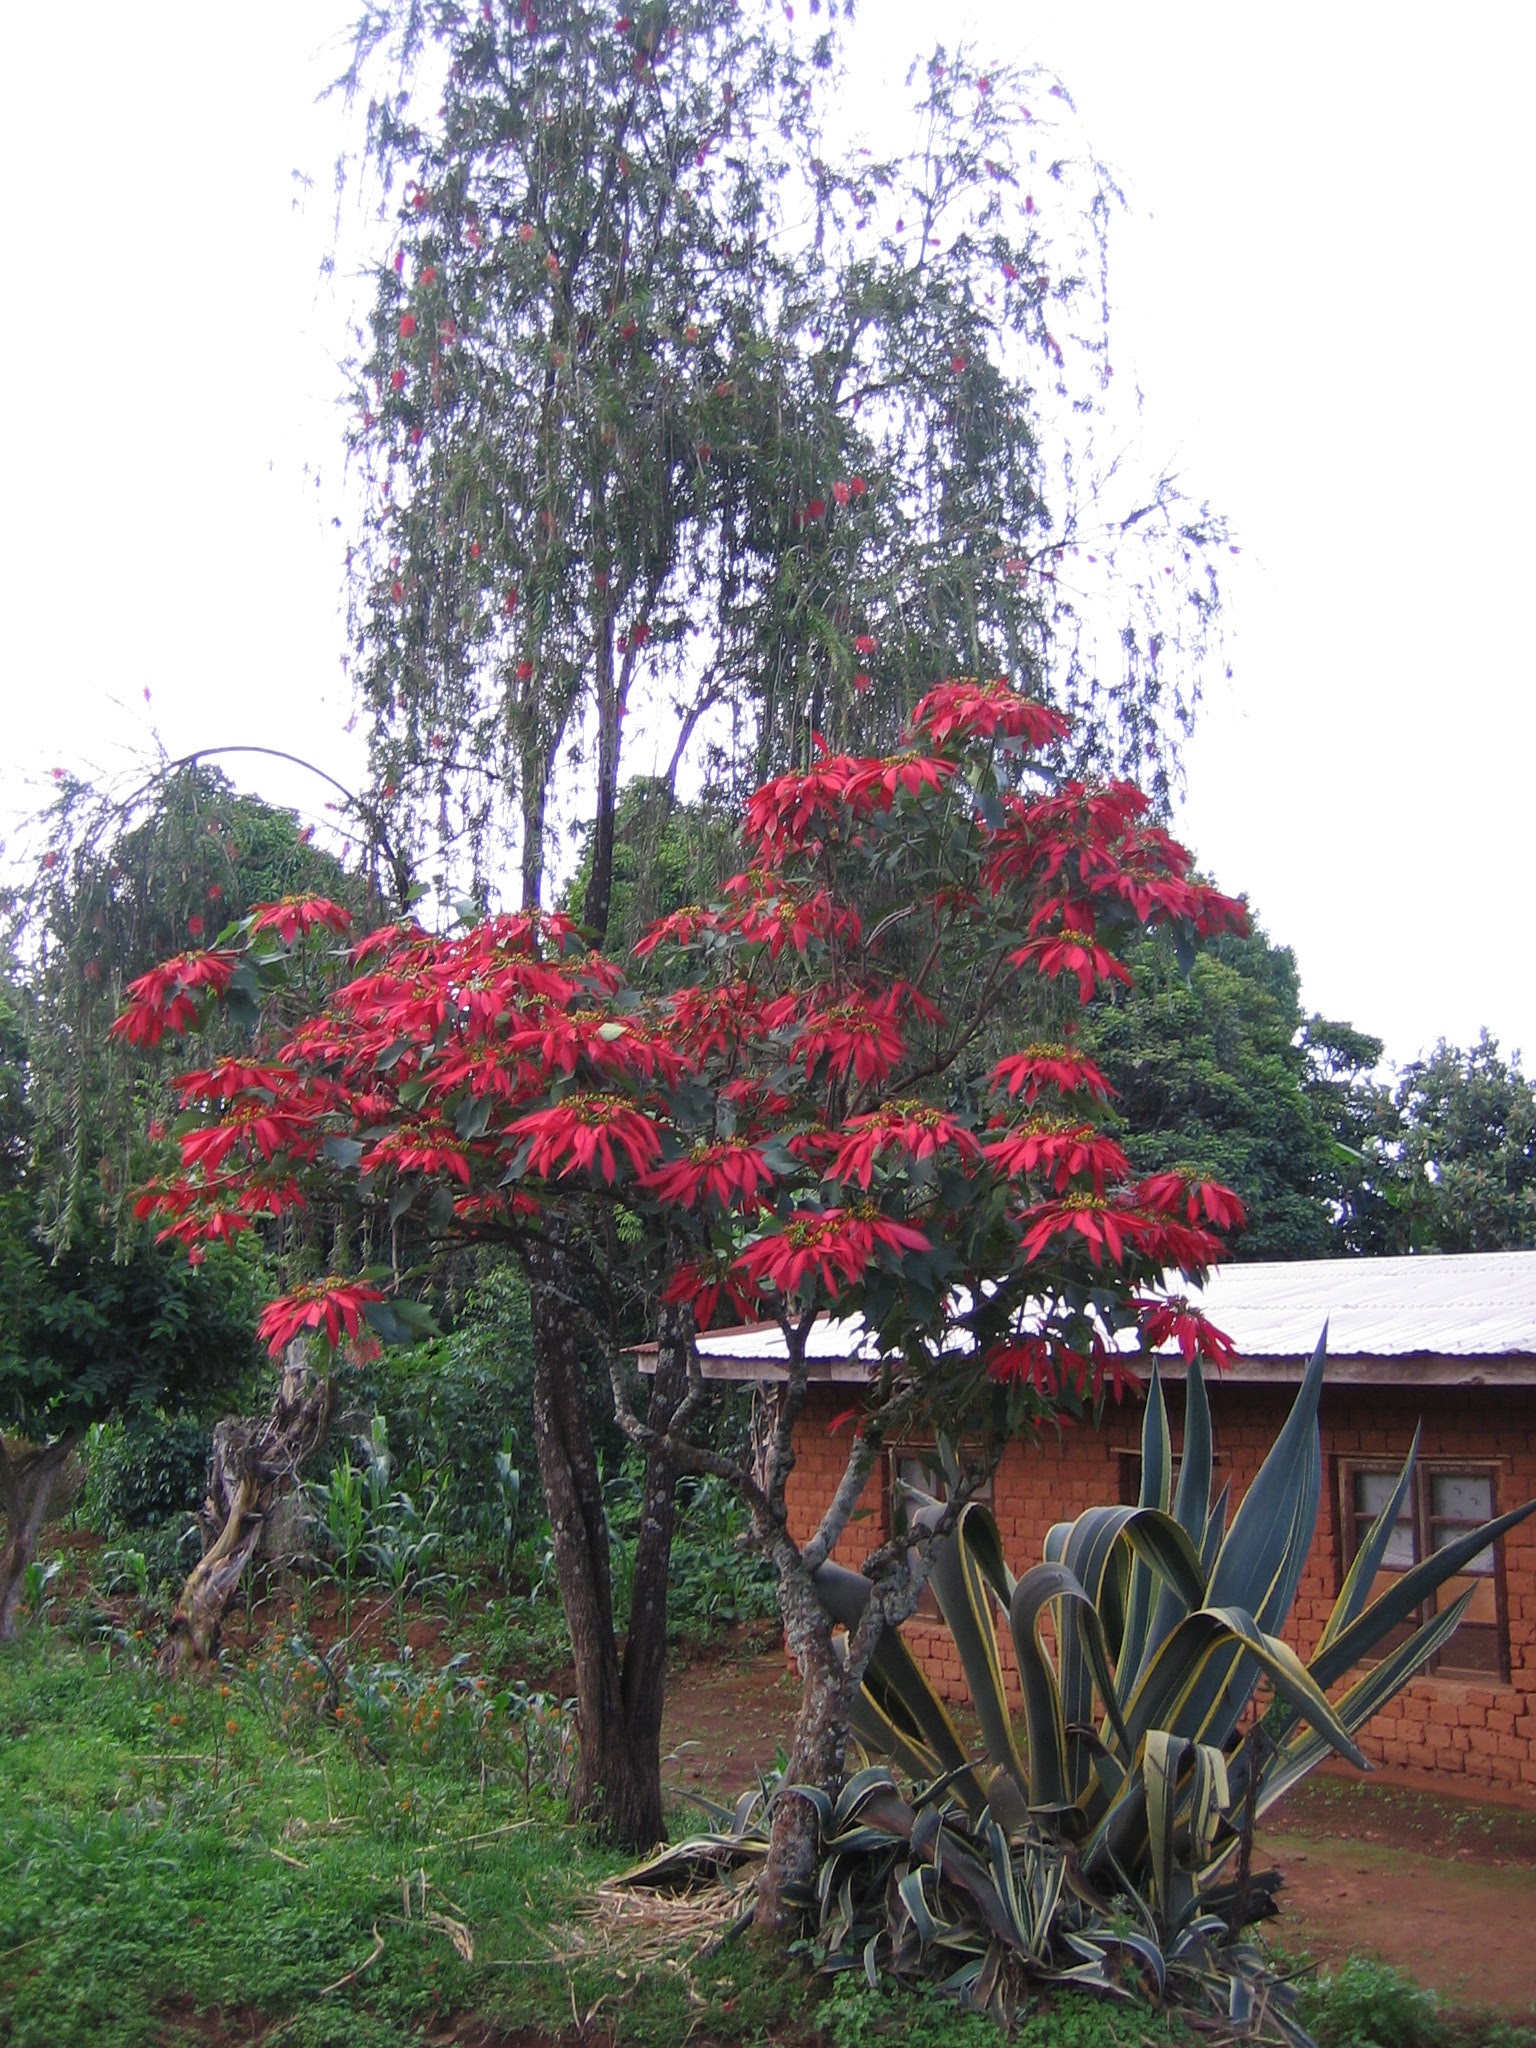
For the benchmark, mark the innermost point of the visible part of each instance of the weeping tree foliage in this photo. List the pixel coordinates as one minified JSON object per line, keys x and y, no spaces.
{"x":123,"y":881}
{"x":685,"y":424}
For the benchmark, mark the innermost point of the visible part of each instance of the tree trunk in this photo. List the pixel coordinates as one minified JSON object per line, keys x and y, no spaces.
{"x":26,"y":1484}
{"x":645,"y":1649}
{"x":598,"y":900}
{"x":252,"y":1467}
{"x":817,"y":1755}
{"x":618,"y":1704}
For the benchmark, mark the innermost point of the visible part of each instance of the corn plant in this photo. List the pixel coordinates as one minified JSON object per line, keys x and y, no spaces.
{"x":1166,"y":1616}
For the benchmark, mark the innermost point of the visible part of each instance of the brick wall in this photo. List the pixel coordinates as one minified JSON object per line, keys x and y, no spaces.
{"x":1476,"y":1731}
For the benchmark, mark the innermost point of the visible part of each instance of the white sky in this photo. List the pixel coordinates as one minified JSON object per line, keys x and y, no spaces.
{"x":1320,"y":288}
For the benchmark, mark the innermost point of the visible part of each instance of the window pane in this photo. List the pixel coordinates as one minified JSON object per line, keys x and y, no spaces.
{"x":1461,"y":1496}
{"x":1459,"y":1501}
{"x":1373,"y":1490}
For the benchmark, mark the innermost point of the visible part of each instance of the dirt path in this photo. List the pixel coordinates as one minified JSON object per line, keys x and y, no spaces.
{"x":1442,"y":1889}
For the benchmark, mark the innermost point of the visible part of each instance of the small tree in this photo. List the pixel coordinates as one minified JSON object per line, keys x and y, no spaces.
{"x":809,"y":1110}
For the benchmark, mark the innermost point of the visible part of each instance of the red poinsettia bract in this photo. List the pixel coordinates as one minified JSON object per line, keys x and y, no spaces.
{"x":332,"y":1307}
{"x":733,"y":1170}
{"x":296,"y":917}
{"x":586,"y":1132}
{"x":964,"y":708}
{"x":170,"y":996}
{"x":1169,"y":1319}
{"x":915,"y":1130}
{"x":1058,"y":1149}
{"x":1038,"y":1067}
{"x":858,"y":1034}
{"x":826,"y":1247}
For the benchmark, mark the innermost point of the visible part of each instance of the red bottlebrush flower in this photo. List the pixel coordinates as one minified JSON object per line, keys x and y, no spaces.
{"x":509,"y":602}
{"x":396,"y":591}
{"x":1171,"y":1320}
{"x":397,"y":380}
{"x":297,"y":916}
{"x":588,"y":1132}
{"x":399,"y":262}
{"x":168,"y":997}
{"x":730,"y":1171}
{"x":859,"y":1034}
{"x":195,"y":925}
{"x":1010,"y":270}
{"x":1060,"y":1150}
{"x":407,"y":326}
{"x":957,"y":364}
{"x":817,"y":509}
{"x":215,"y":893}
{"x":861,"y":681}
{"x":1073,"y":950}
{"x":829,"y":1248}
{"x":51,"y":858}
{"x":1049,"y":1066}
{"x":639,"y":634}
{"x":965,"y":709}
{"x":864,"y":643}
{"x":428,"y":275}
{"x":913,"y":1129}
{"x":474,"y":551}
{"x":331,"y":1307}
{"x":525,"y":233}
{"x":525,"y":671}
{"x":857,"y":486}
{"x":840,"y":493}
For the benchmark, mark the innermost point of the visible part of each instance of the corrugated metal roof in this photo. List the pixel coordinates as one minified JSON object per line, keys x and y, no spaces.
{"x":1469,"y":1305}
{"x":1466,"y":1305}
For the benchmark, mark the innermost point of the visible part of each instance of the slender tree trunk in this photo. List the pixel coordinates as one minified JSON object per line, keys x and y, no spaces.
{"x":26,"y":1485}
{"x":618,"y":1775}
{"x":645,"y":1649}
{"x":598,"y":901}
{"x":534,"y":771}
{"x":252,"y":1467}
{"x":817,"y":1754}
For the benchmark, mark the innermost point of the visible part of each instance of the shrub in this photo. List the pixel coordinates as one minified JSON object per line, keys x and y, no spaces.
{"x":1366,"y":2004}
{"x":144,"y":1470}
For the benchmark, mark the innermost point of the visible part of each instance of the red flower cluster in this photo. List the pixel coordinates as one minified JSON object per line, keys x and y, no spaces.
{"x":332,"y":1308}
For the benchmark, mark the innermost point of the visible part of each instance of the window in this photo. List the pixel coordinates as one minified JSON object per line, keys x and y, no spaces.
{"x":1442,"y":1503}
{"x":918,"y":1466}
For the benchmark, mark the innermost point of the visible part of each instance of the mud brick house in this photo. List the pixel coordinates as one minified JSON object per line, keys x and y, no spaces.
{"x":1450,"y":1341}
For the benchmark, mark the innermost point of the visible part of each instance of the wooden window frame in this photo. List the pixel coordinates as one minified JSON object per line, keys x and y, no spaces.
{"x":1352,"y":1523}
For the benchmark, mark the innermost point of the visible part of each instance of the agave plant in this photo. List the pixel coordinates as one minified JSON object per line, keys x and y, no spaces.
{"x":1166,"y":1617}
{"x":1105,"y":1844}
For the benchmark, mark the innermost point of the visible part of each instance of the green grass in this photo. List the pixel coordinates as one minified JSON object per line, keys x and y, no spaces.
{"x":171,"y":1850}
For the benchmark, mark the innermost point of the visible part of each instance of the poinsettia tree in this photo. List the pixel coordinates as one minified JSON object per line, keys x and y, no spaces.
{"x":804,"y":1098}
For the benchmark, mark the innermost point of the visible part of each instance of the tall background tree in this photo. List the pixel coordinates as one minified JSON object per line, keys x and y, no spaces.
{"x":684,"y":425}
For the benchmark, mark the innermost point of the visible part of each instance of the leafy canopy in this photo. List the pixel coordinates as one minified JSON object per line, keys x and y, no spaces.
{"x":795,"y":1113}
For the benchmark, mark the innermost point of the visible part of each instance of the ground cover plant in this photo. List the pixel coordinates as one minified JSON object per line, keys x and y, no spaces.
{"x":283,"y":1858}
